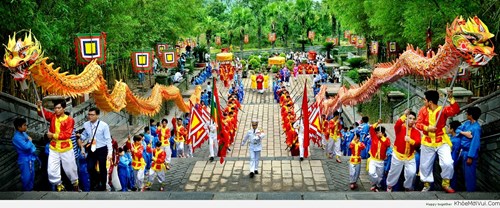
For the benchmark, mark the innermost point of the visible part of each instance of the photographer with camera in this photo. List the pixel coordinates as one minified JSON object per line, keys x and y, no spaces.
{"x":95,"y":140}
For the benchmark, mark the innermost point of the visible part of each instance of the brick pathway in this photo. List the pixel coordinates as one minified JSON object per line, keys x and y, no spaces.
{"x":279,"y":172}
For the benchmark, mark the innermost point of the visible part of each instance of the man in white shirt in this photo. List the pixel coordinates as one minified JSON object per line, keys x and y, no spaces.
{"x":177,"y":77}
{"x":212,"y":139}
{"x":97,"y":135}
{"x":254,"y":137}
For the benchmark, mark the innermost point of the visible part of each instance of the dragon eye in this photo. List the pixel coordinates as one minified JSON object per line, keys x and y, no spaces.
{"x":11,"y":56}
{"x":22,"y":55}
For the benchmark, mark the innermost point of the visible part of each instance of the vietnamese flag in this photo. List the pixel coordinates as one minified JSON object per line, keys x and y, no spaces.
{"x":305,"y":119}
{"x":215,"y":113}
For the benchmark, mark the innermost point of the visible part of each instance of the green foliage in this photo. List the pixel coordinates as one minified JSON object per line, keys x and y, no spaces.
{"x":356,"y":62}
{"x":354,"y":75}
{"x":274,"y":69}
{"x":200,"y":50}
{"x":290,"y":64}
{"x":282,"y":55}
{"x":243,"y":63}
{"x":254,"y":63}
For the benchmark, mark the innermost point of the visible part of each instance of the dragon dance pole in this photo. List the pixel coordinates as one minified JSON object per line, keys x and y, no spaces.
{"x":380,"y":105}
{"x":408,"y":104}
{"x":38,"y":98}
{"x":446,"y":98}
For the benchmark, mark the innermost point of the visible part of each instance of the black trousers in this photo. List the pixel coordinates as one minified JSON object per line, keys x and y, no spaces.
{"x":98,"y":179}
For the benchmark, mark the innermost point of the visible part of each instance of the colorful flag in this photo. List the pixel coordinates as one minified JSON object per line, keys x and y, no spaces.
{"x":198,"y":132}
{"x":142,"y":61}
{"x":305,"y":114}
{"x":314,"y":123}
{"x":215,"y":114}
{"x":90,"y":46}
{"x":168,"y":58}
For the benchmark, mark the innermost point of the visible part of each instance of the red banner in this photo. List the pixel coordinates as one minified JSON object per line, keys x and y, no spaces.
{"x":392,"y":47}
{"x":353,"y":40}
{"x":142,"y":61}
{"x":374,"y":48}
{"x":360,"y":43}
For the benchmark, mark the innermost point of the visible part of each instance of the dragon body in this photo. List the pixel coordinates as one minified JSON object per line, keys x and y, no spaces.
{"x":24,"y":57}
{"x":466,"y":42}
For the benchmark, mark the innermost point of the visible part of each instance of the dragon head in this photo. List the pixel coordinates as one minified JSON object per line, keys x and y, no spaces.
{"x":20,"y":55}
{"x":472,"y":39}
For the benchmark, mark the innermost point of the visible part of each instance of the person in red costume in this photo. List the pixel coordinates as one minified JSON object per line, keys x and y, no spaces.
{"x":180,"y":138}
{"x":138,"y":163}
{"x":435,"y":140}
{"x":260,"y":83}
{"x":61,"y":147}
{"x":407,"y":139}
{"x":378,"y":150}
{"x":158,"y":168}
{"x":163,"y":133}
{"x":355,"y":161}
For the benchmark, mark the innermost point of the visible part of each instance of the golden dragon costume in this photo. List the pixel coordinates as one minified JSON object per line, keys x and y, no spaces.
{"x":25,"y":57}
{"x":466,"y":42}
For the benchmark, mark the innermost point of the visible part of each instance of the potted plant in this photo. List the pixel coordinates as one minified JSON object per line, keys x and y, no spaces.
{"x":328,"y":46}
{"x":200,"y":51}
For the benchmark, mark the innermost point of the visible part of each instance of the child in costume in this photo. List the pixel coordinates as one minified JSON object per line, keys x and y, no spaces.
{"x":123,"y":164}
{"x":355,"y":161}
{"x":158,"y":167}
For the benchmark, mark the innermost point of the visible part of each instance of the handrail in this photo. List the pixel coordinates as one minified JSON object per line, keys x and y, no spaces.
{"x":480,"y":100}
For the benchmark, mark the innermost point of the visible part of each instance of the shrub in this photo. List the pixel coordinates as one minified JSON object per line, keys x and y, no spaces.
{"x":274,"y":69}
{"x":356,"y":62}
{"x":354,"y":75}
{"x":254,"y":63}
{"x":282,"y":55}
{"x":290,"y":64}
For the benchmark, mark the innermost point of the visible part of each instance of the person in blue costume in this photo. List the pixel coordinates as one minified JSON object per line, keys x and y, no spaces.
{"x":123,"y":168}
{"x":316,"y":89}
{"x":204,"y":97}
{"x":365,"y":136}
{"x":387,"y":166}
{"x":344,"y":132}
{"x":470,"y":136}
{"x":152,"y":127}
{"x":131,"y":179}
{"x":26,"y":153}
{"x":172,"y":144}
{"x":148,"y":140}
{"x":455,"y":150}
{"x":349,"y":135}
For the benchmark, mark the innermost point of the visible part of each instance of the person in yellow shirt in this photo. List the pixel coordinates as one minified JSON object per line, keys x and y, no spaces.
{"x":138,"y":162}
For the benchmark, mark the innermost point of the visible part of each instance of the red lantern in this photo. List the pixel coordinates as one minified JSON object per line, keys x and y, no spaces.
{"x":245,"y":40}
{"x":392,"y":47}
{"x":374,"y":48}
{"x":271,"y":37}
{"x":354,"y":39}
{"x":218,"y":40}
{"x":360,"y":43}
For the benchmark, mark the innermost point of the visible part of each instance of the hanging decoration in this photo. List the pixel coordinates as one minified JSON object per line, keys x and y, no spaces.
{"x":169,"y":59}
{"x":90,"y":46}
{"x":271,"y":37}
{"x":361,"y":42}
{"x":218,"y":40}
{"x":458,"y":51}
{"x":374,"y":48}
{"x":311,"y":35}
{"x":141,"y":61}
{"x":90,"y":80}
